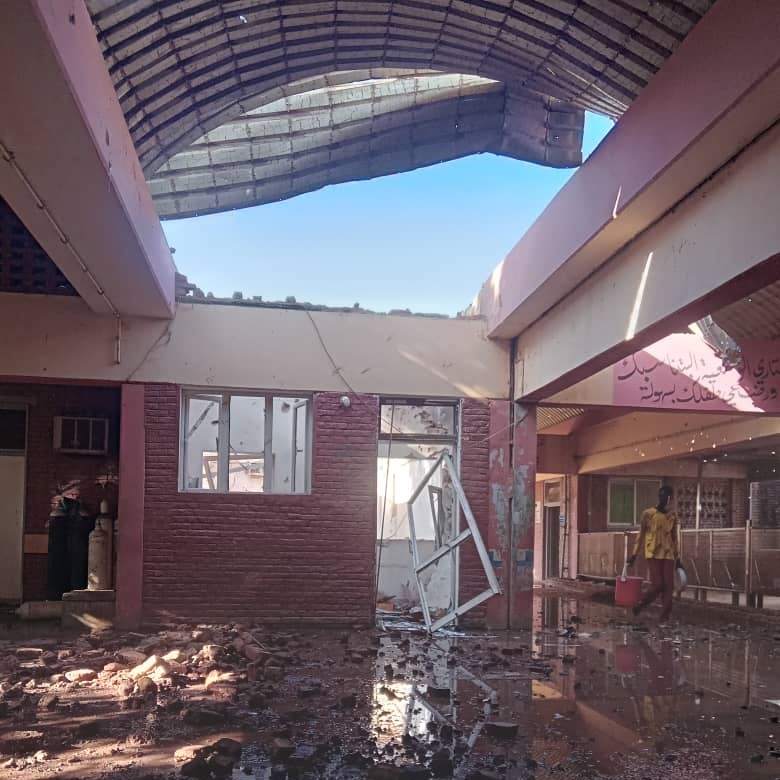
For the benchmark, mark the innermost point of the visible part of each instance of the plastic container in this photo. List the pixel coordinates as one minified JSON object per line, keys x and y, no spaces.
{"x":628,"y":590}
{"x":680,"y":580}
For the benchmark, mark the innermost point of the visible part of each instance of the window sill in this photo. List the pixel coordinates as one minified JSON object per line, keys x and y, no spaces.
{"x":197,"y":492}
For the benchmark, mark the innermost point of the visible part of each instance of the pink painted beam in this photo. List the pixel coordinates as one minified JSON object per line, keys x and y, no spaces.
{"x":715,"y":94}
{"x":500,"y":486}
{"x":682,"y":372}
{"x":67,"y":138}
{"x":524,"y":453}
{"x":130,"y":544}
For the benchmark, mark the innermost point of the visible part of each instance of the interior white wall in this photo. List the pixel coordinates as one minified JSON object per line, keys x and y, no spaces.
{"x":255,"y":348}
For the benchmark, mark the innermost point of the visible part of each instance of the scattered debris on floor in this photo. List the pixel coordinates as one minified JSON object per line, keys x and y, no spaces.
{"x":587,"y":696}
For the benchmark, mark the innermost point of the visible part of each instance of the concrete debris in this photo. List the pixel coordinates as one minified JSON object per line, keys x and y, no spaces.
{"x":227,"y":701}
{"x":80,"y":675}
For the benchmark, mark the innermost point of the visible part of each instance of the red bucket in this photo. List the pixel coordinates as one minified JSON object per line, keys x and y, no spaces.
{"x":628,"y":591}
{"x":628,"y":659}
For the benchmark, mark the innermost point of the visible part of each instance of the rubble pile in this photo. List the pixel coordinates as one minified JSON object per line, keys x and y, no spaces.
{"x":585,"y":697}
{"x":208,"y":701}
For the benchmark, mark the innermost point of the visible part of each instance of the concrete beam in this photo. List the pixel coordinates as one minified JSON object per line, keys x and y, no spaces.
{"x":683,"y":468}
{"x":68,"y":167}
{"x":714,"y":95}
{"x":254,"y":347}
{"x":644,"y":437}
{"x":683,"y":373}
{"x":721,"y":244}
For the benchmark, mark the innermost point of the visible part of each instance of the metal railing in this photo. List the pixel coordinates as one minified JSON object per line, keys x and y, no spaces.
{"x":738,"y":560}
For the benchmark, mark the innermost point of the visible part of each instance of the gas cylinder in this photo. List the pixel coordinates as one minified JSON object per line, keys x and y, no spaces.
{"x":109,"y":526}
{"x":98,"y":575}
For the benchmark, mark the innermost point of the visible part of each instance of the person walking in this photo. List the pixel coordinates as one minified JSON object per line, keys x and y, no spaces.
{"x":658,"y":543}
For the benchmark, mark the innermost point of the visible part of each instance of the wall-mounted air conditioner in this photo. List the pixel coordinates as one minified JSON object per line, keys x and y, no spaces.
{"x":81,"y":435}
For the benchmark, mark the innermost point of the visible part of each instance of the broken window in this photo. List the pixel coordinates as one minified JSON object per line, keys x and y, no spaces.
{"x":420,"y":421}
{"x":245,"y":443}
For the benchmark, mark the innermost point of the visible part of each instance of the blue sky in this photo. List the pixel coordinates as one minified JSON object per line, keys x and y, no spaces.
{"x":424,"y":240}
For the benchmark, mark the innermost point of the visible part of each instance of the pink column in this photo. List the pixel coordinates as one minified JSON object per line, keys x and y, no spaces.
{"x":499,"y":510}
{"x":522,"y":525}
{"x":129,"y":566}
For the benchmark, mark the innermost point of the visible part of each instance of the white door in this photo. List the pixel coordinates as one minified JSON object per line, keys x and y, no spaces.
{"x":11,"y":526}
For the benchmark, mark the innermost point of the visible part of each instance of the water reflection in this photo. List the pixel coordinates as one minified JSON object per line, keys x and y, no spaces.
{"x":616,"y":690}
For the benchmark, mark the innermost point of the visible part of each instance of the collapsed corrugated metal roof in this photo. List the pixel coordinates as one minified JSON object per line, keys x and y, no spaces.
{"x":183,"y":68}
{"x":754,"y":317}
{"x":361,"y":130}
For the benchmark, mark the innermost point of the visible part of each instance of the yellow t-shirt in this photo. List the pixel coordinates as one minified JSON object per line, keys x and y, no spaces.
{"x":660,"y":531}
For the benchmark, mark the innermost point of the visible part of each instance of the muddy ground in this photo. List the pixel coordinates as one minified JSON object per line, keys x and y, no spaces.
{"x":588,"y":694}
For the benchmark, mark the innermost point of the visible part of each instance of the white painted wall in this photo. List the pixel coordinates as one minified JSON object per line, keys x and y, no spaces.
{"x":255,"y":348}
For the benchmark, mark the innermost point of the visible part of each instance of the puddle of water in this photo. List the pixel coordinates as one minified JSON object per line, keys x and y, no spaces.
{"x":591,"y":696}
{"x":694,"y":698}
{"x":603,"y":699}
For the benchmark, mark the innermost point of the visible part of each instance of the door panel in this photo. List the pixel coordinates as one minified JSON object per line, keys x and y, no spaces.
{"x":552,"y":538}
{"x":11,"y":526}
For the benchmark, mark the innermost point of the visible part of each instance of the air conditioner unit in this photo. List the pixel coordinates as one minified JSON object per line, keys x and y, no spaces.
{"x":81,"y":435}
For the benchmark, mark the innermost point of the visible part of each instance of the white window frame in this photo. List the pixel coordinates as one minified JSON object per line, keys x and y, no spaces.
{"x":625,"y":481}
{"x":223,"y":452}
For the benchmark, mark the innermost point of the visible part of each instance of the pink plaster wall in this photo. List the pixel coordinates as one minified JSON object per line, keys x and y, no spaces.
{"x":682,"y":372}
{"x":130,"y":515}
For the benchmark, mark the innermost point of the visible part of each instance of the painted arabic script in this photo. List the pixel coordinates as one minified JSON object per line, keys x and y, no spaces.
{"x":683,"y":370}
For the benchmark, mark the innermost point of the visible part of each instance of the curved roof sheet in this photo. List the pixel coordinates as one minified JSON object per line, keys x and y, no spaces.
{"x":359,"y":130}
{"x":182,"y":68}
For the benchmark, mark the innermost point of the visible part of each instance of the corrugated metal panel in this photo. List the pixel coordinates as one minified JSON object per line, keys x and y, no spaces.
{"x":345,"y":132}
{"x":181,"y":66}
{"x":754,"y":317}
{"x":547,"y":416}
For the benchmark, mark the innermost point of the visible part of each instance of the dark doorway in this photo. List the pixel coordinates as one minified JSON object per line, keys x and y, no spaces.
{"x":552,"y":535}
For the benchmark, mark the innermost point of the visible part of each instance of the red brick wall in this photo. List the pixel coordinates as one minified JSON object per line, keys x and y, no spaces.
{"x":474,"y":468}
{"x":274,"y":558}
{"x":50,"y":474}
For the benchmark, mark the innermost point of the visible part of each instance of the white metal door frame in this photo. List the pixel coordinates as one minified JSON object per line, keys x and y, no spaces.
{"x":470,"y":532}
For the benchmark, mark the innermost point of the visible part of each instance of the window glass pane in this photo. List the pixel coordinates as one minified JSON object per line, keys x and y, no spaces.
{"x":98,"y":435}
{"x":289,"y":444}
{"x":621,"y":503}
{"x":246,"y":470}
{"x":201,"y":442}
{"x":13,"y":425}
{"x":301,"y":440}
{"x":424,"y":420}
{"x":646,"y":496}
{"x":69,"y":437}
{"x":81,"y":440}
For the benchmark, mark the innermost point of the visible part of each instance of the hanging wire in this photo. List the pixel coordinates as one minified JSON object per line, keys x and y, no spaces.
{"x":384,"y":503}
{"x":337,"y":370}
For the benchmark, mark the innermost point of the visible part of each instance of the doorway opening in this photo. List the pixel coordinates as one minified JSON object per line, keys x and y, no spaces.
{"x":413,"y":435}
{"x":423,"y":515}
{"x":552,"y":529}
{"x":13,"y":457}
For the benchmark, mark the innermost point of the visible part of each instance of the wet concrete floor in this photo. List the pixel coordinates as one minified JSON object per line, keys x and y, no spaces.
{"x":588,"y":694}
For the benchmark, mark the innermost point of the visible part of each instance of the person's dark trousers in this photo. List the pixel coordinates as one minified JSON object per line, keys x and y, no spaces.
{"x":661,"y":584}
